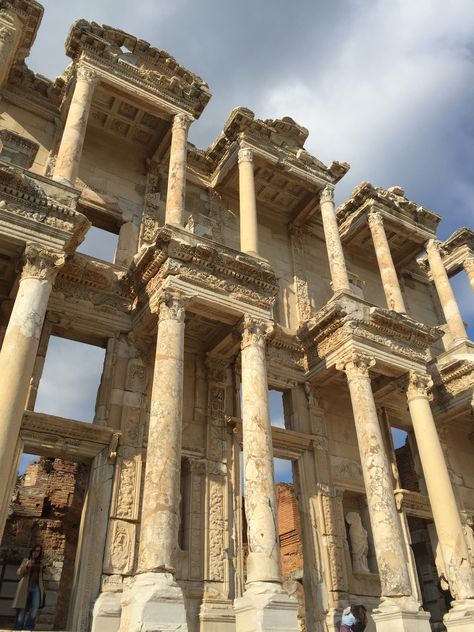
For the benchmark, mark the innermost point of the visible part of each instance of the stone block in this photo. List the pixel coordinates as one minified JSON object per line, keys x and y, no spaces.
{"x":402,"y":622}
{"x":264,"y":608}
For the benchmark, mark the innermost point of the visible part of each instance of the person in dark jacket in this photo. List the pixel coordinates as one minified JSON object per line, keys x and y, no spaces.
{"x":30,"y":590}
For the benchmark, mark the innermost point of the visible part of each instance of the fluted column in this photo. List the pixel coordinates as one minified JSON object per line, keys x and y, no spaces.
{"x":70,"y":149}
{"x":468,"y":265}
{"x":445,"y":292}
{"x":160,"y":513}
{"x":176,"y":193}
{"x":337,"y":263}
{"x":10,"y":34}
{"x":263,"y":562}
{"x":386,"y":529}
{"x":248,"y":203}
{"x":447,"y":519}
{"x":391,"y":286}
{"x":20,"y":345}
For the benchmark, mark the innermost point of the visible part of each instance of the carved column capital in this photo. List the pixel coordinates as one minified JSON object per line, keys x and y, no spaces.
{"x":41,"y":263}
{"x":327,"y":194}
{"x":468,"y":264}
{"x":433,"y":246}
{"x":245,"y":155}
{"x":356,"y":366}
{"x":254,"y":331}
{"x":418,"y":385}
{"x":84,"y":73}
{"x":181,"y":121}
{"x":172,"y":306}
{"x":375,"y":218}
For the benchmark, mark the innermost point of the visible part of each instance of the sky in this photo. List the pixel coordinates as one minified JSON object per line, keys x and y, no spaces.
{"x":386,"y":85}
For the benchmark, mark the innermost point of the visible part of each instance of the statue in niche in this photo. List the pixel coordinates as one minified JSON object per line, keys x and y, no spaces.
{"x":359,"y":543}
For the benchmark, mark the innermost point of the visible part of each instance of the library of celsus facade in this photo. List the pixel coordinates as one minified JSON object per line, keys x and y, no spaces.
{"x":234,"y":274}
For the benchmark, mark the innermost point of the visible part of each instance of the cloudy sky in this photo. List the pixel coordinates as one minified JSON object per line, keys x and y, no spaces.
{"x":386,"y":85}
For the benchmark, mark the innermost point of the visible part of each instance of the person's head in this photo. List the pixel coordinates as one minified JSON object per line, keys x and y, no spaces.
{"x":360,"y":613}
{"x":36,"y":552}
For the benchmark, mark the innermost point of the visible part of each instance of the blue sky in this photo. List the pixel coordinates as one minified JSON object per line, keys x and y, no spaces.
{"x":386,"y":85}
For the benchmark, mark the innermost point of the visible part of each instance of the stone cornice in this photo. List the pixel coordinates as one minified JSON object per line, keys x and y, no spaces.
{"x":30,"y":13}
{"x":392,"y":201}
{"x":37,"y":201}
{"x":149,"y":68}
{"x":453,"y":379}
{"x":348,"y":322}
{"x":202,"y":264}
{"x":278,"y":141}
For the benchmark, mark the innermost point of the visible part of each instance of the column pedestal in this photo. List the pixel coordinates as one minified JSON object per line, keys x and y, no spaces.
{"x":460,"y":618}
{"x":264,"y":608}
{"x":402,"y":621}
{"x":154,"y":602}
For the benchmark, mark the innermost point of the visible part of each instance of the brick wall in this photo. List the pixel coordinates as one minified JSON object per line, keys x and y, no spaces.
{"x":47,"y":510}
{"x":289,"y":527}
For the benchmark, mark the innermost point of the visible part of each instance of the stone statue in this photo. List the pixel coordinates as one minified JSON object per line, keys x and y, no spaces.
{"x":359,"y":543}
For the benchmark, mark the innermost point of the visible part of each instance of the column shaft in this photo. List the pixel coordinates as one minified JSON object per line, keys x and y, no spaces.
{"x":18,"y":352}
{"x":445,"y":292}
{"x":440,"y":491}
{"x":70,"y":149}
{"x":391,"y":286}
{"x":386,"y":529}
{"x":160,"y":513}
{"x":176,"y":193}
{"x":248,"y":203}
{"x":337,"y":263}
{"x":263,"y":562}
{"x":468,"y":265}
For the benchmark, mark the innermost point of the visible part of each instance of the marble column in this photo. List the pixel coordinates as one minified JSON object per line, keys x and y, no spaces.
{"x":446,"y":516}
{"x":468,"y":265}
{"x":264,"y":605}
{"x":445,"y":292}
{"x":337,"y":263}
{"x":391,"y":286}
{"x":10,"y":34}
{"x":176,"y":193}
{"x":154,"y":599}
{"x":248,"y":203}
{"x":18,"y":352}
{"x":72,"y":141}
{"x":398,"y":609}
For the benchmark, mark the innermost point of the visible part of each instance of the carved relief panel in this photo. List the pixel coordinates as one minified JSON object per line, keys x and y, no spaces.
{"x":126,"y":493}
{"x":120,"y":548}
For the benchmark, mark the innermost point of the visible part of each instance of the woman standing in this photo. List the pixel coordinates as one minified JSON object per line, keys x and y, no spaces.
{"x":30,"y":590}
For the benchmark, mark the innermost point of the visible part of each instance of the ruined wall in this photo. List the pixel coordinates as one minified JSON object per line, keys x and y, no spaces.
{"x":47,"y":510}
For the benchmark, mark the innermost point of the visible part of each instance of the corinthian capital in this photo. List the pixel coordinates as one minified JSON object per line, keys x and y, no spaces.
{"x":327,"y":194}
{"x":172,"y":307}
{"x":357,"y":365}
{"x":375,"y":218}
{"x":86,"y":74}
{"x":41,"y":263}
{"x":417,"y":385}
{"x":433,"y":245}
{"x":245,"y":154}
{"x":181,"y":121}
{"x":468,"y":264}
{"x":254,"y":331}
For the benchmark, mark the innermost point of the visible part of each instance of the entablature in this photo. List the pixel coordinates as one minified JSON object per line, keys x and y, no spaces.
{"x":455,"y":251}
{"x":407,"y":225}
{"x":35,"y":208}
{"x":199,"y":267}
{"x":349,"y":324}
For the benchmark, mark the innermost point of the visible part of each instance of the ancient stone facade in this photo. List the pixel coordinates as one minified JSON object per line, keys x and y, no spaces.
{"x":234,"y":273}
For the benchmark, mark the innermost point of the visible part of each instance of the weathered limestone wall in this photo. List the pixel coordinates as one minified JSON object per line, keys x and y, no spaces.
{"x":39,"y":129}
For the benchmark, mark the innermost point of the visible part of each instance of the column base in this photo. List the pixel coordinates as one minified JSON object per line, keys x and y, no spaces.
{"x":106,"y":613}
{"x":217,"y":616}
{"x":461,"y":616}
{"x":154,"y":601}
{"x":265,"y":607}
{"x":400,"y":615}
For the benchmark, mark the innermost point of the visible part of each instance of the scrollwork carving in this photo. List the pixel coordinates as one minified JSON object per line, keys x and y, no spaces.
{"x":254,"y":331}
{"x":41,"y":263}
{"x":245,"y":155}
{"x":356,"y":366}
{"x":327,"y":194}
{"x":418,"y":385}
{"x":181,"y":122}
{"x":172,"y":307}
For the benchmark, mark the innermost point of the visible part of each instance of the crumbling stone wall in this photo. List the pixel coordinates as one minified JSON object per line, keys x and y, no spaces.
{"x":46,"y":510}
